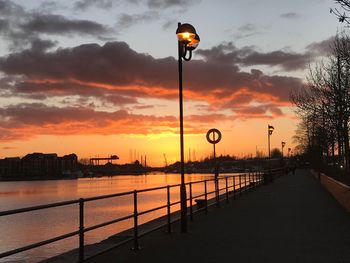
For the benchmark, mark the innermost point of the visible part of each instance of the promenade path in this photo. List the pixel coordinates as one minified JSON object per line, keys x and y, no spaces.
{"x":293,"y":219}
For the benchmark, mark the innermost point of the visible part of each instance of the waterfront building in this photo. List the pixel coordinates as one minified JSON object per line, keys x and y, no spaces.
{"x":37,"y":166}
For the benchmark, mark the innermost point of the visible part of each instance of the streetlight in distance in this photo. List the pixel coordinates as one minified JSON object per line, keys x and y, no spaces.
{"x":269,"y":133}
{"x":188,"y":40}
{"x":283,"y":144}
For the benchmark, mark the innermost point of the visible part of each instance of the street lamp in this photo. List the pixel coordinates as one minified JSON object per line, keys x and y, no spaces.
{"x":283,"y":144}
{"x":269,"y":133}
{"x":188,"y":40}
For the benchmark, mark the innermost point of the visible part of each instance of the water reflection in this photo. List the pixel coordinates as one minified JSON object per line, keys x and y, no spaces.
{"x":22,"y":229}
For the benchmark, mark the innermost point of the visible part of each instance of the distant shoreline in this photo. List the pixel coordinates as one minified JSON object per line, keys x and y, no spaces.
{"x":18,"y":179}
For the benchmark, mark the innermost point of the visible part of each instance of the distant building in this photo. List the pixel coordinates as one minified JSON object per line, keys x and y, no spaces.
{"x":38,"y":165}
{"x":10,"y":166}
{"x":68,"y":162}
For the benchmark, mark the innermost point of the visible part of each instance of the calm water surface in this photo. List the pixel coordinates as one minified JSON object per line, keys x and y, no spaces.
{"x":23,"y":229}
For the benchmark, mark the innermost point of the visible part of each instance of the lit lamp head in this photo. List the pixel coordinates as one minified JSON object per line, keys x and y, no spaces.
{"x":270,"y":128}
{"x":185,"y":33}
{"x":194,"y":43}
{"x":283,"y":144}
{"x":188,"y":36}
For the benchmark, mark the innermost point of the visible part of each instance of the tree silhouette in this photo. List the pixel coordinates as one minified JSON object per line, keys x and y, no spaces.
{"x":342,"y":14}
{"x":323,"y":105}
{"x":276,"y":153}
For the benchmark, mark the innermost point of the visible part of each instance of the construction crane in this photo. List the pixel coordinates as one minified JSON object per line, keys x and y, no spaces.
{"x":165,"y":160}
{"x":96,"y":161}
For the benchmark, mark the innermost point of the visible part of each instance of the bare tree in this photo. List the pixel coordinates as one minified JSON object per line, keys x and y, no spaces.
{"x":341,"y":14}
{"x":323,"y":104}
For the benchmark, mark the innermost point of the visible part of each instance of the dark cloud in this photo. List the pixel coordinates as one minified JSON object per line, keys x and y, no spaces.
{"x":127,"y":20}
{"x":286,"y":60}
{"x":247,"y":30}
{"x":19,"y":27}
{"x":49,"y":6}
{"x":84,"y":4}
{"x":46,"y":89}
{"x":57,"y":24}
{"x":321,"y":48}
{"x":91,"y":69}
{"x":268,"y":111}
{"x":290,"y":15}
{"x":163,"y":4}
{"x":9,"y":9}
{"x":169,"y":24}
{"x":248,"y":56}
{"x":151,"y":4}
{"x":42,"y":45}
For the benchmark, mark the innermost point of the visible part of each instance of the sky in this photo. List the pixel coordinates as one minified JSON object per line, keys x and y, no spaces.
{"x":99,"y":77}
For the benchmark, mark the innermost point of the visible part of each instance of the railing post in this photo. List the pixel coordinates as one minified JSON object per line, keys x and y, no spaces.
{"x":136,"y":230}
{"x":248,"y":181}
{"x":254,"y":179}
{"x":206,"y":196}
{"x":226,"y":189}
{"x":234,"y":187}
{"x":245,"y":183}
{"x":191,"y":203}
{"x":217,"y":192}
{"x":240,"y":185}
{"x":81,"y":230}
{"x":168,"y":208}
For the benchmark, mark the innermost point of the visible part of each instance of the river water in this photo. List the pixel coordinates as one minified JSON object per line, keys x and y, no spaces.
{"x":26,"y":228}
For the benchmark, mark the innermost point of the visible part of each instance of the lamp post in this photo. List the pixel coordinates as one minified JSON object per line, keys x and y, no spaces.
{"x":270,"y":129}
{"x":269,"y":133}
{"x":283,"y":144}
{"x":188,"y":40}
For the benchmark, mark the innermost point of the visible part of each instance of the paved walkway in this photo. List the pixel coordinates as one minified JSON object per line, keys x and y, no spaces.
{"x":291,"y":220}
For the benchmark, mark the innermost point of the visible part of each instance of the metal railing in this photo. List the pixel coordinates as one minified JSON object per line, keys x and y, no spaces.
{"x":246,"y":182}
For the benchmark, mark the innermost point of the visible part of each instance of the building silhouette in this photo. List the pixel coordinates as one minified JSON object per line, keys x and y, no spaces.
{"x":38,"y":166}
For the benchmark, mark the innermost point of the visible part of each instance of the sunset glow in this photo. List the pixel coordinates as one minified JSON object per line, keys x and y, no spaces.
{"x":75,"y":80}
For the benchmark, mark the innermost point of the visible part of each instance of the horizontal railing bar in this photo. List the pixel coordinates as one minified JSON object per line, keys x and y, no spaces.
{"x":151,"y":189}
{"x":94,"y":198}
{"x":151,"y":210}
{"x":38,"y":244}
{"x":197,"y":196}
{"x":175,"y":203}
{"x":175,"y":185}
{"x":108,"y":223}
{"x":212,"y":192}
{"x":38,"y":207}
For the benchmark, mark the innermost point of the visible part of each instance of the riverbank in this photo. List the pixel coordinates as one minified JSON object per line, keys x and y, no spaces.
{"x":340,"y":191}
{"x":21,"y":230}
{"x":291,"y":220}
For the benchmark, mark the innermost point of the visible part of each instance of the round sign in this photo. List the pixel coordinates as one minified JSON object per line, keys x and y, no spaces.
{"x":216,"y":136}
